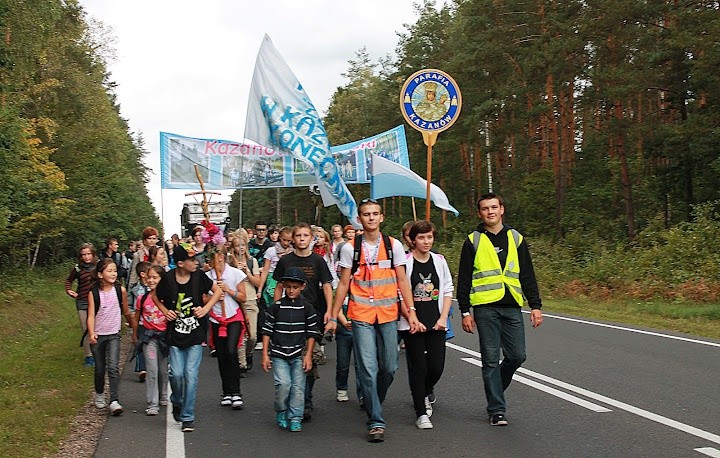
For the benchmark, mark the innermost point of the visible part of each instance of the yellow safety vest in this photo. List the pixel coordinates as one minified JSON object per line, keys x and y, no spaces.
{"x":488,"y":278}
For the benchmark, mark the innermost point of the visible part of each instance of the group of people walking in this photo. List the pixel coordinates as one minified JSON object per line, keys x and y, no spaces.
{"x":291,"y":294}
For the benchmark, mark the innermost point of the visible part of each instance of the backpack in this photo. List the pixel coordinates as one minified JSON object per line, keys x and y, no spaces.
{"x":358,"y":247}
{"x":95,"y":291}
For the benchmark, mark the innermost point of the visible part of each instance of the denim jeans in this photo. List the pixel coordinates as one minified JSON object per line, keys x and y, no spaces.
{"x":289,"y":386}
{"x":499,"y":328}
{"x":107,"y":356}
{"x":157,"y":373}
{"x":376,"y":351}
{"x":344,"y":345}
{"x":183,"y":373}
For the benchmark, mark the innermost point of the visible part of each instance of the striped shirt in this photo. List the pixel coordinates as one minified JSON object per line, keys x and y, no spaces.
{"x":108,"y":317}
{"x":289,"y":323}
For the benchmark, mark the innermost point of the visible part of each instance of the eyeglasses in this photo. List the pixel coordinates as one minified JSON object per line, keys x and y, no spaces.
{"x":368,"y":201}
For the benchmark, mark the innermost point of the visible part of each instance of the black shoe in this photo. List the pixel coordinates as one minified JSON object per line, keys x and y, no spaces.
{"x":376,"y":435}
{"x":307,"y":414}
{"x":243,"y":373}
{"x":431,"y":397}
{"x":249,"y":361}
{"x":213,"y":353}
{"x":498,"y":419}
{"x":176,"y":411}
{"x":188,"y":426}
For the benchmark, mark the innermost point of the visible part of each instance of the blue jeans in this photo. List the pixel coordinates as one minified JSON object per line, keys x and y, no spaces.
{"x":376,"y":353}
{"x":183,"y":374}
{"x":344,"y":345}
{"x":499,"y":327}
{"x":107,"y":356}
{"x":289,"y":386}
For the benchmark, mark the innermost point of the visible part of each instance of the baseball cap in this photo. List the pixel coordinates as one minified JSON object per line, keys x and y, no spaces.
{"x":294,"y":274}
{"x":183,"y":252}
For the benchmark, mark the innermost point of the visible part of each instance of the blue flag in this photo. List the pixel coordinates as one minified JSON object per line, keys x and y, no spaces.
{"x":281,"y":116}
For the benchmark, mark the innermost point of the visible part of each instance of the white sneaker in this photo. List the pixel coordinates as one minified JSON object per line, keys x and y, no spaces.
{"x":226,"y":400}
{"x":428,"y":407}
{"x":100,"y":400}
{"x":259,"y":346}
{"x":115,"y":409}
{"x":423,"y":422}
{"x":237,"y":402}
{"x":342,"y":396}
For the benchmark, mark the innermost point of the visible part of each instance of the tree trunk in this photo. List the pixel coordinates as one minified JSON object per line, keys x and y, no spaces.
{"x":619,"y":143}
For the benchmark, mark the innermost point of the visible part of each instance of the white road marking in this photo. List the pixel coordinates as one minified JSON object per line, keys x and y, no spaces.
{"x":174,"y":437}
{"x":709,"y":451}
{"x":618,"y":404}
{"x":555,"y":392}
{"x":639,"y":331}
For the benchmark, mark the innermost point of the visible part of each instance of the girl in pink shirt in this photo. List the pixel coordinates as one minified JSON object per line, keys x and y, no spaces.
{"x":107,"y":301}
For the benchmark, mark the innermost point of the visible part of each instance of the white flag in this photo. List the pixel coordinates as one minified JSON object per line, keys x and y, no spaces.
{"x":389,"y":179}
{"x":280,"y":115}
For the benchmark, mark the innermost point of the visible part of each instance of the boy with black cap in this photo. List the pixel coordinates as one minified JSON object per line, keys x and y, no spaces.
{"x":179,"y":295}
{"x":290,"y":325}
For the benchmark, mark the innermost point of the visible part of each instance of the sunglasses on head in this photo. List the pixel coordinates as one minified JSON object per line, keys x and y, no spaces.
{"x":368,"y":201}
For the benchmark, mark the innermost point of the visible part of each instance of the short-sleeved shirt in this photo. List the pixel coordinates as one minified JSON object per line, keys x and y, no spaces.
{"x":317,"y":274}
{"x":232,"y":277}
{"x":346,"y":253}
{"x":186,"y":330}
{"x":257,"y":250}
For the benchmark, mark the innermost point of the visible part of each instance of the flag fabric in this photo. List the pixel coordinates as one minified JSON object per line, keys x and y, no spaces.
{"x":281,"y":116}
{"x":389,"y":179}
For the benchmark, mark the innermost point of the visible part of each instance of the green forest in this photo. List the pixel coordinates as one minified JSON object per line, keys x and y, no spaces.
{"x":597,"y":120}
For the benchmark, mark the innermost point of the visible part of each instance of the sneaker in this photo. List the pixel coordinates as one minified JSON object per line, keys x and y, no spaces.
{"x":163,"y":402}
{"x":423,"y":422}
{"x":307,"y":414}
{"x":361,"y":403}
{"x":89,"y":361}
{"x":176,"y":411}
{"x":213,"y":353}
{"x":188,"y":426}
{"x":295,"y":426}
{"x":431,"y":397}
{"x":281,"y":419}
{"x":151,"y":411}
{"x":376,"y":434}
{"x":428,"y":407}
{"x":115,"y":409}
{"x":237,"y":402}
{"x":226,"y":400}
{"x":100,"y":400}
{"x":249,"y":362}
{"x":258,"y":346}
{"x":342,"y":396}
{"x":498,"y":419}
{"x":142,"y":375}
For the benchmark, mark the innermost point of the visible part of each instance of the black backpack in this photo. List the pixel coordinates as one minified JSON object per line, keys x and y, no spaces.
{"x":95,"y":291}
{"x":358,"y":247}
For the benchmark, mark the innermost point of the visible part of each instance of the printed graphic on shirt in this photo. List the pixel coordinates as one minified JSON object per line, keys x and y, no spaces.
{"x":186,"y":321}
{"x":425,"y":290}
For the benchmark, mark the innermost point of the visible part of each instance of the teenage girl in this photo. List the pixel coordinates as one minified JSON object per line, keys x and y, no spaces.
{"x":104,"y":326}
{"x":154,"y":343}
{"x":83,"y":273}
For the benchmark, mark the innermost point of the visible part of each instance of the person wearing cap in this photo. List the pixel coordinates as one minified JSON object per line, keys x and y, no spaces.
{"x":373,"y":309}
{"x":179,"y":296}
{"x":495,"y":276}
{"x":291,"y":325}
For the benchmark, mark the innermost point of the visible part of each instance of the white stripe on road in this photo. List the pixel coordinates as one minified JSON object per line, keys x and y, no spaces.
{"x":620,"y":405}
{"x":555,"y":392}
{"x":639,"y":331}
{"x":174,"y":437}
{"x":709,"y":451}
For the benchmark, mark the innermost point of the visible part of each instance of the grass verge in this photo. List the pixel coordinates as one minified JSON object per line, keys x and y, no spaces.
{"x":42,"y":380}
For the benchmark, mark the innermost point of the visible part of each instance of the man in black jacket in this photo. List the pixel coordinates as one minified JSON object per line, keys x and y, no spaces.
{"x":495,"y":277}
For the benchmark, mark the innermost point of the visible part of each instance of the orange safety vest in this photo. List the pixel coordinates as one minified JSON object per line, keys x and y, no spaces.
{"x":373,"y":296}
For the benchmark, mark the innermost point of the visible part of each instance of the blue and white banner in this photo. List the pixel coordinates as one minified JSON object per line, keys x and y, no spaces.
{"x":228,"y":164}
{"x":391,"y":179}
{"x":281,"y":116}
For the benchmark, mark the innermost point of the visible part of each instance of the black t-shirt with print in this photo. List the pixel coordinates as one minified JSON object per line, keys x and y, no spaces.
{"x":424,"y":281}
{"x":317,"y":273}
{"x":186,"y":330}
{"x":257,"y":251}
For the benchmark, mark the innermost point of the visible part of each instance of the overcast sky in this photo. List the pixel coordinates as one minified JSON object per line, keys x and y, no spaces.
{"x":185,"y":67}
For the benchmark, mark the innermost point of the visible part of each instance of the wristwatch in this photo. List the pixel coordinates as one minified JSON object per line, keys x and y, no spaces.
{"x":464,"y":314}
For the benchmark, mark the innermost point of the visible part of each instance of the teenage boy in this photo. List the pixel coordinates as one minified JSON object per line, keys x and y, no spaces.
{"x":260,"y":243}
{"x":318,"y":290}
{"x":291,"y":324}
{"x":180,"y":297}
{"x":373,"y":309}
{"x":494,"y":274}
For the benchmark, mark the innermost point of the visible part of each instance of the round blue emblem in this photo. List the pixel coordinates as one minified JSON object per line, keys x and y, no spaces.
{"x":430,"y":100}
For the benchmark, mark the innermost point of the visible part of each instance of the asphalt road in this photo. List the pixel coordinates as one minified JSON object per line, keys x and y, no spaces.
{"x":587,"y":389}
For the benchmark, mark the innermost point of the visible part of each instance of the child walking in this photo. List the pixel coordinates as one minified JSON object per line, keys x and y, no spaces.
{"x":83,"y":273}
{"x":107,"y":301}
{"x":153,"y":341}
{"x":290,"y":325}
